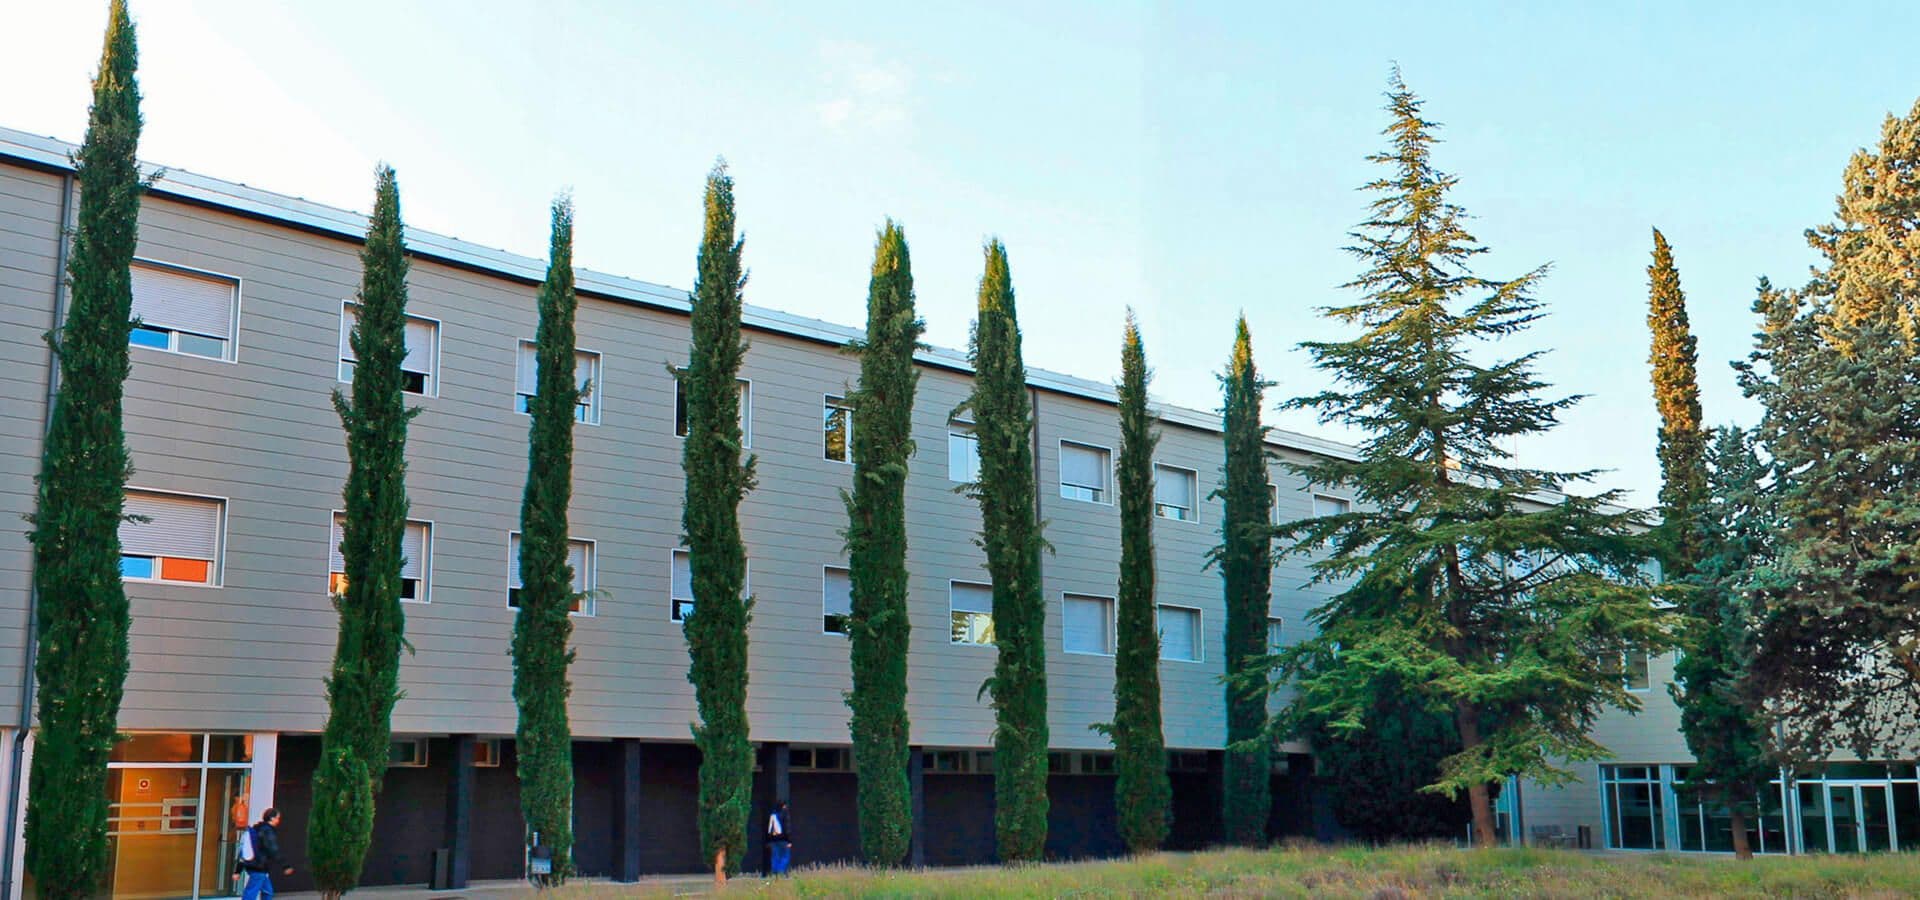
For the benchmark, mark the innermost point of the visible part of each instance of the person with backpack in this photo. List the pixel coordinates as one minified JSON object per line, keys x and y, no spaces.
{"x":257,"y":856}
{"x":779,"y":839}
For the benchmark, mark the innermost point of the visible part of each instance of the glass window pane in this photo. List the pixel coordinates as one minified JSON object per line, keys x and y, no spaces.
{"x":836,"y":425}
{"x":963,"y":456}
{"x":156,"y":338}
{"x":200,"y":345}
{"x":137,"y":567}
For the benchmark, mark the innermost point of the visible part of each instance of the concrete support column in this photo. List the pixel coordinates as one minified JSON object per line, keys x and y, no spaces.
{"x":917,"y":787}
{"x":459,"y":827}
{"x":626,"y":811}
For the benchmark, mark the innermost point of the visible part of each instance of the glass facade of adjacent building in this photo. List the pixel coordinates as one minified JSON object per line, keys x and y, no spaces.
{"x":1837,"y":808}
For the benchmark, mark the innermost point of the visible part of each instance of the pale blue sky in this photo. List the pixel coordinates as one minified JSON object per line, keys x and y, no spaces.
{"x":1190,"y":160}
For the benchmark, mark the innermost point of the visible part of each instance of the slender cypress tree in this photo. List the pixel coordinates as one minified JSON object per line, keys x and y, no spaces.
{"x":718,"y":477}
{"x":1676,"y":393}
{"x":1142,"y":793}
{"x":81,"y":607}
{"x":1458,"y":582}
{"x":1245,"y":558}
{"x":365,"y":681}
{"x":1010,"y":534}
{"x":877,"y":551}
{"x":544,"y":738}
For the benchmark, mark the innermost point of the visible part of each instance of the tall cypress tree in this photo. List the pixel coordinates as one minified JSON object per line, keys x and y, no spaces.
{"x":1245,"y":558}
{"x":718,"y":477}
{"x":365,"y":681}
{"x":1479,"y":585}
{"x":1142,"y":793}
{"x":1837,"y":370}
{"x":877,"y":551}
{"x":1010,"y":534}
{"x":81,"y":608}
{"x":543,"y":738}
{"x":1676,"y":393}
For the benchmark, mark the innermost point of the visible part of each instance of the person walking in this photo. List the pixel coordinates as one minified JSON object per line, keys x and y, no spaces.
{"x":266,"y":858}
{"x":779,"y":839}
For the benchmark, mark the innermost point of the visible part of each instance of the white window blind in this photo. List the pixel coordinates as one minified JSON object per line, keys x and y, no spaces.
{"x":682,"y":575}
{"x":963,"y":454}
{"x":1173,"y":487}
{"x":187,"y":527}
{"x":1179,"y":633}
{"x":413,"y":547}
{"x":1324,"y":505}
{"x":182,"y":301}
{"x":526,"y":372}
{"x":837,"y":592}
{"x":976,"y":598}
{"x":1083,"y":466}
{"x":1087,"y":624}
{"x":419,"y":346}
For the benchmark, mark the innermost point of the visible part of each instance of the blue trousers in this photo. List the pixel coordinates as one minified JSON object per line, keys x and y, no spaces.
{"x":259,"y":887}
{"x":782,"y":855}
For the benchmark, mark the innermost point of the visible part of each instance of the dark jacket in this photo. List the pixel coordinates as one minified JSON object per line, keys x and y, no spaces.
{"x":266,"y":850}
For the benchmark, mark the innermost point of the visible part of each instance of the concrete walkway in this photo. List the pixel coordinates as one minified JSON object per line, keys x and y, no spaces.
{"x":677,"y":885}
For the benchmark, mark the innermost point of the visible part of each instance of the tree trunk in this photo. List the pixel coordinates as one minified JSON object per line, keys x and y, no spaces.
{"x":1738,"y":819}
{"x":720,"y":869}
{"x":1484,"y":837}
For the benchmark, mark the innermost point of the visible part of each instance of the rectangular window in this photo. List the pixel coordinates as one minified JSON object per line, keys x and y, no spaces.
{"x":1179,"y":633}
{"x":836,"y":599}
{"x":407,"y":753}
{"x":1324,"y":505}
{"x":1174,"y":490}
{"x":972,"y":607}
{"x":1273,"y":632}
{"x":681,"y":597}
{"x":836,"y":429}
{"x":419,"y":370}
{"x":1634,"y":664}
{"x":586,"y":374}
{"x":486,"y":753}
{"x":579,"y":557}
{"x":746,"y":410}
{"x":1084,"y":471}
{"x":963,"y":453}
{"x":183,"y":311}
{"x":416,"y":547}
{"x":1634,"y":802}
{"x":174,"y":539}
{"x":1087,"y":624}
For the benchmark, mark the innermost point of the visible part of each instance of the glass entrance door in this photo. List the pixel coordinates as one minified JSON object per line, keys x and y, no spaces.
{"x":1858,"y":818}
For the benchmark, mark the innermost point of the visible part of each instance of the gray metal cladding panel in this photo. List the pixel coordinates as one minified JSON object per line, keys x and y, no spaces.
{"x":30,"y":231}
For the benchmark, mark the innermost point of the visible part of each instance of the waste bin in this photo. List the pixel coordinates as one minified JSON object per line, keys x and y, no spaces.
{"x":1586,"y":837}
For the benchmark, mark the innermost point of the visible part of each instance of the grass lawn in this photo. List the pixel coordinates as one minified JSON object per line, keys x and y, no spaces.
{"x":1387,"y":874}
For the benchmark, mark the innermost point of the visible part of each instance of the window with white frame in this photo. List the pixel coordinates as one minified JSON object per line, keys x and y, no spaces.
{"x":681,"y":596}
{"x":1174,"y":493}
{"x":579,"y":558}
{"x":171,"y":538}
{"x":972,"y":608}
{"x":586,"y":375}
{"x":407,"y":753}
{"x":1324,"y":505}
{"x":836,"y":428}
{"x":486,"y":753}
{"x":963,"y":453}
{"x":182,"y":310}
{"x":746,"y":409}
{"x":416,"y":547}
{"x":1634,"y":664}
{"x":1273,"y":632}
{"x":419,"y":370}
{"x":1084,"y":472}
{"x":1179,"y":633}
{"x":836,"y":599}
{"x":1087,"y":624}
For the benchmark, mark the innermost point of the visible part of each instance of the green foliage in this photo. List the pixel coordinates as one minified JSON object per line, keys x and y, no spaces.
{"x":877,"y":551}
{"x":1676,"y":393}
{"x":543,"y":737}
{"x":1724,"y":729}
{"x":1374,"y":774}
{"x":342,"y":819}
{"x":1481,"y":586}
{"x":717,"y":479}
{"x":1837,"y":370}
{"x":1142,"y":793}
{"x":365,"y":681}
{"x":1245,"y":558}
{"x":81,"y":608}
{"x":1010,"y":534}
